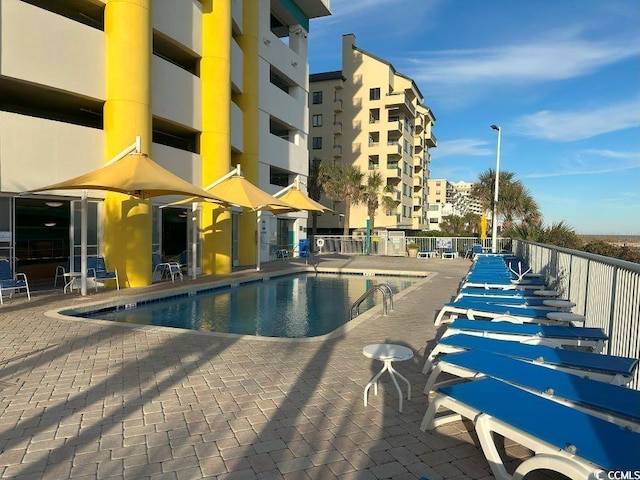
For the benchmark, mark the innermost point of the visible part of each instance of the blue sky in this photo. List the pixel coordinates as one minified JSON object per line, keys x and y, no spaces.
{"x":561,"y":78}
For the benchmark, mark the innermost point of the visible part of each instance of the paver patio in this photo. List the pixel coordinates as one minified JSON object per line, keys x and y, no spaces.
{"x":82,"y":399}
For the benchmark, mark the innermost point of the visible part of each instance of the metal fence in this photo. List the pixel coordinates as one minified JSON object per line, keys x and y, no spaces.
{"x":605,"y":290}
{"x":351,"y":244}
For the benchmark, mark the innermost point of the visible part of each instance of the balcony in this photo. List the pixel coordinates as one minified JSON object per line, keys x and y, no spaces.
{"x":431,"y":140}
{"x":337,"y":128}
{"x":394,"y":173}
{"x":417,"y":181}
{"x":395,"y":126}
{"x":337,"y":151}
{"x":401,"y":101}
{"x":393,"y":148}
{"x":337,"y":105}
{"x":419,"y":124}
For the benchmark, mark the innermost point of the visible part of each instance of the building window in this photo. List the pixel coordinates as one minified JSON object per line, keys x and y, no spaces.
{"x":316,"y":98}
{"x":374,"y":93}
{"x":278,"y":177}
{"x":316,"y":143}
{"x":316,"y":120}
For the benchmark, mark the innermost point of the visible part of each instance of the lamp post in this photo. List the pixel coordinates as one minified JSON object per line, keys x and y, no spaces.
{"x":494,"y":213}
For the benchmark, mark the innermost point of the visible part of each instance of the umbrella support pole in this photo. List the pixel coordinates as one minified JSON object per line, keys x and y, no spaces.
{"x":258,"y":242}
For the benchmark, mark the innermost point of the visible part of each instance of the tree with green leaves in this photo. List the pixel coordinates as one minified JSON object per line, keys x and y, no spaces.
{"x":342,"y":183}
{"x":515,"y":202}
{"x":559,"y":234}
{"x":375,"y":194}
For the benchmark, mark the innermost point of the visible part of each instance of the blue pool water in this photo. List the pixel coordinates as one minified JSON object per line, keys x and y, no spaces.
{"x":290,"y":307}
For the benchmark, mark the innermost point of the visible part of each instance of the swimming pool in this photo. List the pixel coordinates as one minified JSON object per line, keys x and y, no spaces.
{"x":291,"y":306}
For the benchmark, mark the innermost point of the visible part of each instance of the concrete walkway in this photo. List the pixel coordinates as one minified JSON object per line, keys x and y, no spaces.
{"x":82,"y":399}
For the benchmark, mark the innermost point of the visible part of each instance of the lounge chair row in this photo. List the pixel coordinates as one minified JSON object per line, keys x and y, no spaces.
{"x":537,"y":385}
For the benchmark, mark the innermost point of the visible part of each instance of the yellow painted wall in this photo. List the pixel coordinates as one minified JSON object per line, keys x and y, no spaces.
{"x":215,"y":140}
{"x":248,"y":103}
{"x":127,"y":113}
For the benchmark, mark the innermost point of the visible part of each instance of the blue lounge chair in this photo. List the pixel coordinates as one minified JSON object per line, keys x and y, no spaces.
{"x":593,"y":338}
{"x":63,"y":271}
{"x":562,"y":438}
{"x":163,"y":270}
{"x":97,"y":270}
{"x":608,"y":368}
{"x":10,"y":282}
{"x":471,"y":308}
{"x":610,"y":402}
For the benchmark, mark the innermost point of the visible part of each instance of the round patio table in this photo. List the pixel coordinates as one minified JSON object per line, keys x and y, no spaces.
{"x":387,"y":353}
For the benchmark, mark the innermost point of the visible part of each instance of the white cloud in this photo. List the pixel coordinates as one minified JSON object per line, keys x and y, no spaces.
{"x":556,"y":57}
{"x":462,"y":146}
{"x":612,"y":154}
{"x":579,"y":125}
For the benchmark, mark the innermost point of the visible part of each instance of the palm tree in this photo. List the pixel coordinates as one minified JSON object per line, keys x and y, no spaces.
{"x":453,"y":225}
{"x":343,"y":183}
{"x":515,"y":202}
{"x":373,"y":195}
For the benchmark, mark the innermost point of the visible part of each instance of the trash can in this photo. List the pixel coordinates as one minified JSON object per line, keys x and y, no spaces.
{"x":303,"y":247}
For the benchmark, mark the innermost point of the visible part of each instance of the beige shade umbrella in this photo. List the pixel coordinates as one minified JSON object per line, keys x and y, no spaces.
{"x":234,"y":189}
{"x":237,"y":190}
{"x":299,"y":200}
{"x":131,"y":173}
{"x":134,"y":174}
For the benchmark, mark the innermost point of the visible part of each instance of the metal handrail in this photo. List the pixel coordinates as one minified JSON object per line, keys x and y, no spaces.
{"x":383,"y":288}
{"x":389,"y":291}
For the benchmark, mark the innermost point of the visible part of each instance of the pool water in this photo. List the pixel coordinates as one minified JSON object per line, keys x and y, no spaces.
{"x":290,"y":307}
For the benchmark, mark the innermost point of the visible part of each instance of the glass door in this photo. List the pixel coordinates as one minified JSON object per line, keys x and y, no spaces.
{"x":6,"y":230}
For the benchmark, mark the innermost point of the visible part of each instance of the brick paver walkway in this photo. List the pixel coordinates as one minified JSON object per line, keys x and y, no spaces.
{"x":82,"y":399}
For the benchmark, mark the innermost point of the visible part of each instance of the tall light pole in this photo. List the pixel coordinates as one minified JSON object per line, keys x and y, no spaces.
{"x":494,"y":213}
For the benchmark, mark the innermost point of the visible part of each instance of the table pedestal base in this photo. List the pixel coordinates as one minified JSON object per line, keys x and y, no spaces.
{"x":392,"y":372}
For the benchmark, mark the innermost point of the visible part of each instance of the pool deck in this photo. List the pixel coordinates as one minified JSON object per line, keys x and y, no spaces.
{"x":92,"y":400}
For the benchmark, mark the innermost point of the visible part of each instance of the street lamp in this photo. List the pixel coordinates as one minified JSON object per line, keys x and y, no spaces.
{"x":494,"y":213}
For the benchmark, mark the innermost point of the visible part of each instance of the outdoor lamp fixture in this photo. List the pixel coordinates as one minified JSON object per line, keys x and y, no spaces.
{"x":494,"y":213}
{"x":53,"y":204}
{"x":50,"y":224}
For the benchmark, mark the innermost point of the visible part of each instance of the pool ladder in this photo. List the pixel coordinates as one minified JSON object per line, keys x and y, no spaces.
{"x":387,"y":294}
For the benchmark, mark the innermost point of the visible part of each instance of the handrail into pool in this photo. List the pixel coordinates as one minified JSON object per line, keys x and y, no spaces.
{"x":383,"y":288}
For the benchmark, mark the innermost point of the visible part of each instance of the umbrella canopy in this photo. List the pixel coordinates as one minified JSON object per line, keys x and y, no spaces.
{"x":237,"y":190}
{"x":299,"y":200}
{"x":135,"y":174}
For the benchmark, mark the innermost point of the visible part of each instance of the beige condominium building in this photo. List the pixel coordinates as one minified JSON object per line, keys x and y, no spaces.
{"x":205,"y":84}
{"x":373,"y":117}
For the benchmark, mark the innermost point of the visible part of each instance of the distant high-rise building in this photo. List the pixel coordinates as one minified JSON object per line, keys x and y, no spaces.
{"x":450,"y":198}
{"x":371,"y":116}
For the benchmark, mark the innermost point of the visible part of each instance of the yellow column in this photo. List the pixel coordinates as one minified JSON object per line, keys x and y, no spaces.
{"x":248,"y":103}
{"x":127,"y":113}
{"x":215,"y":141}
